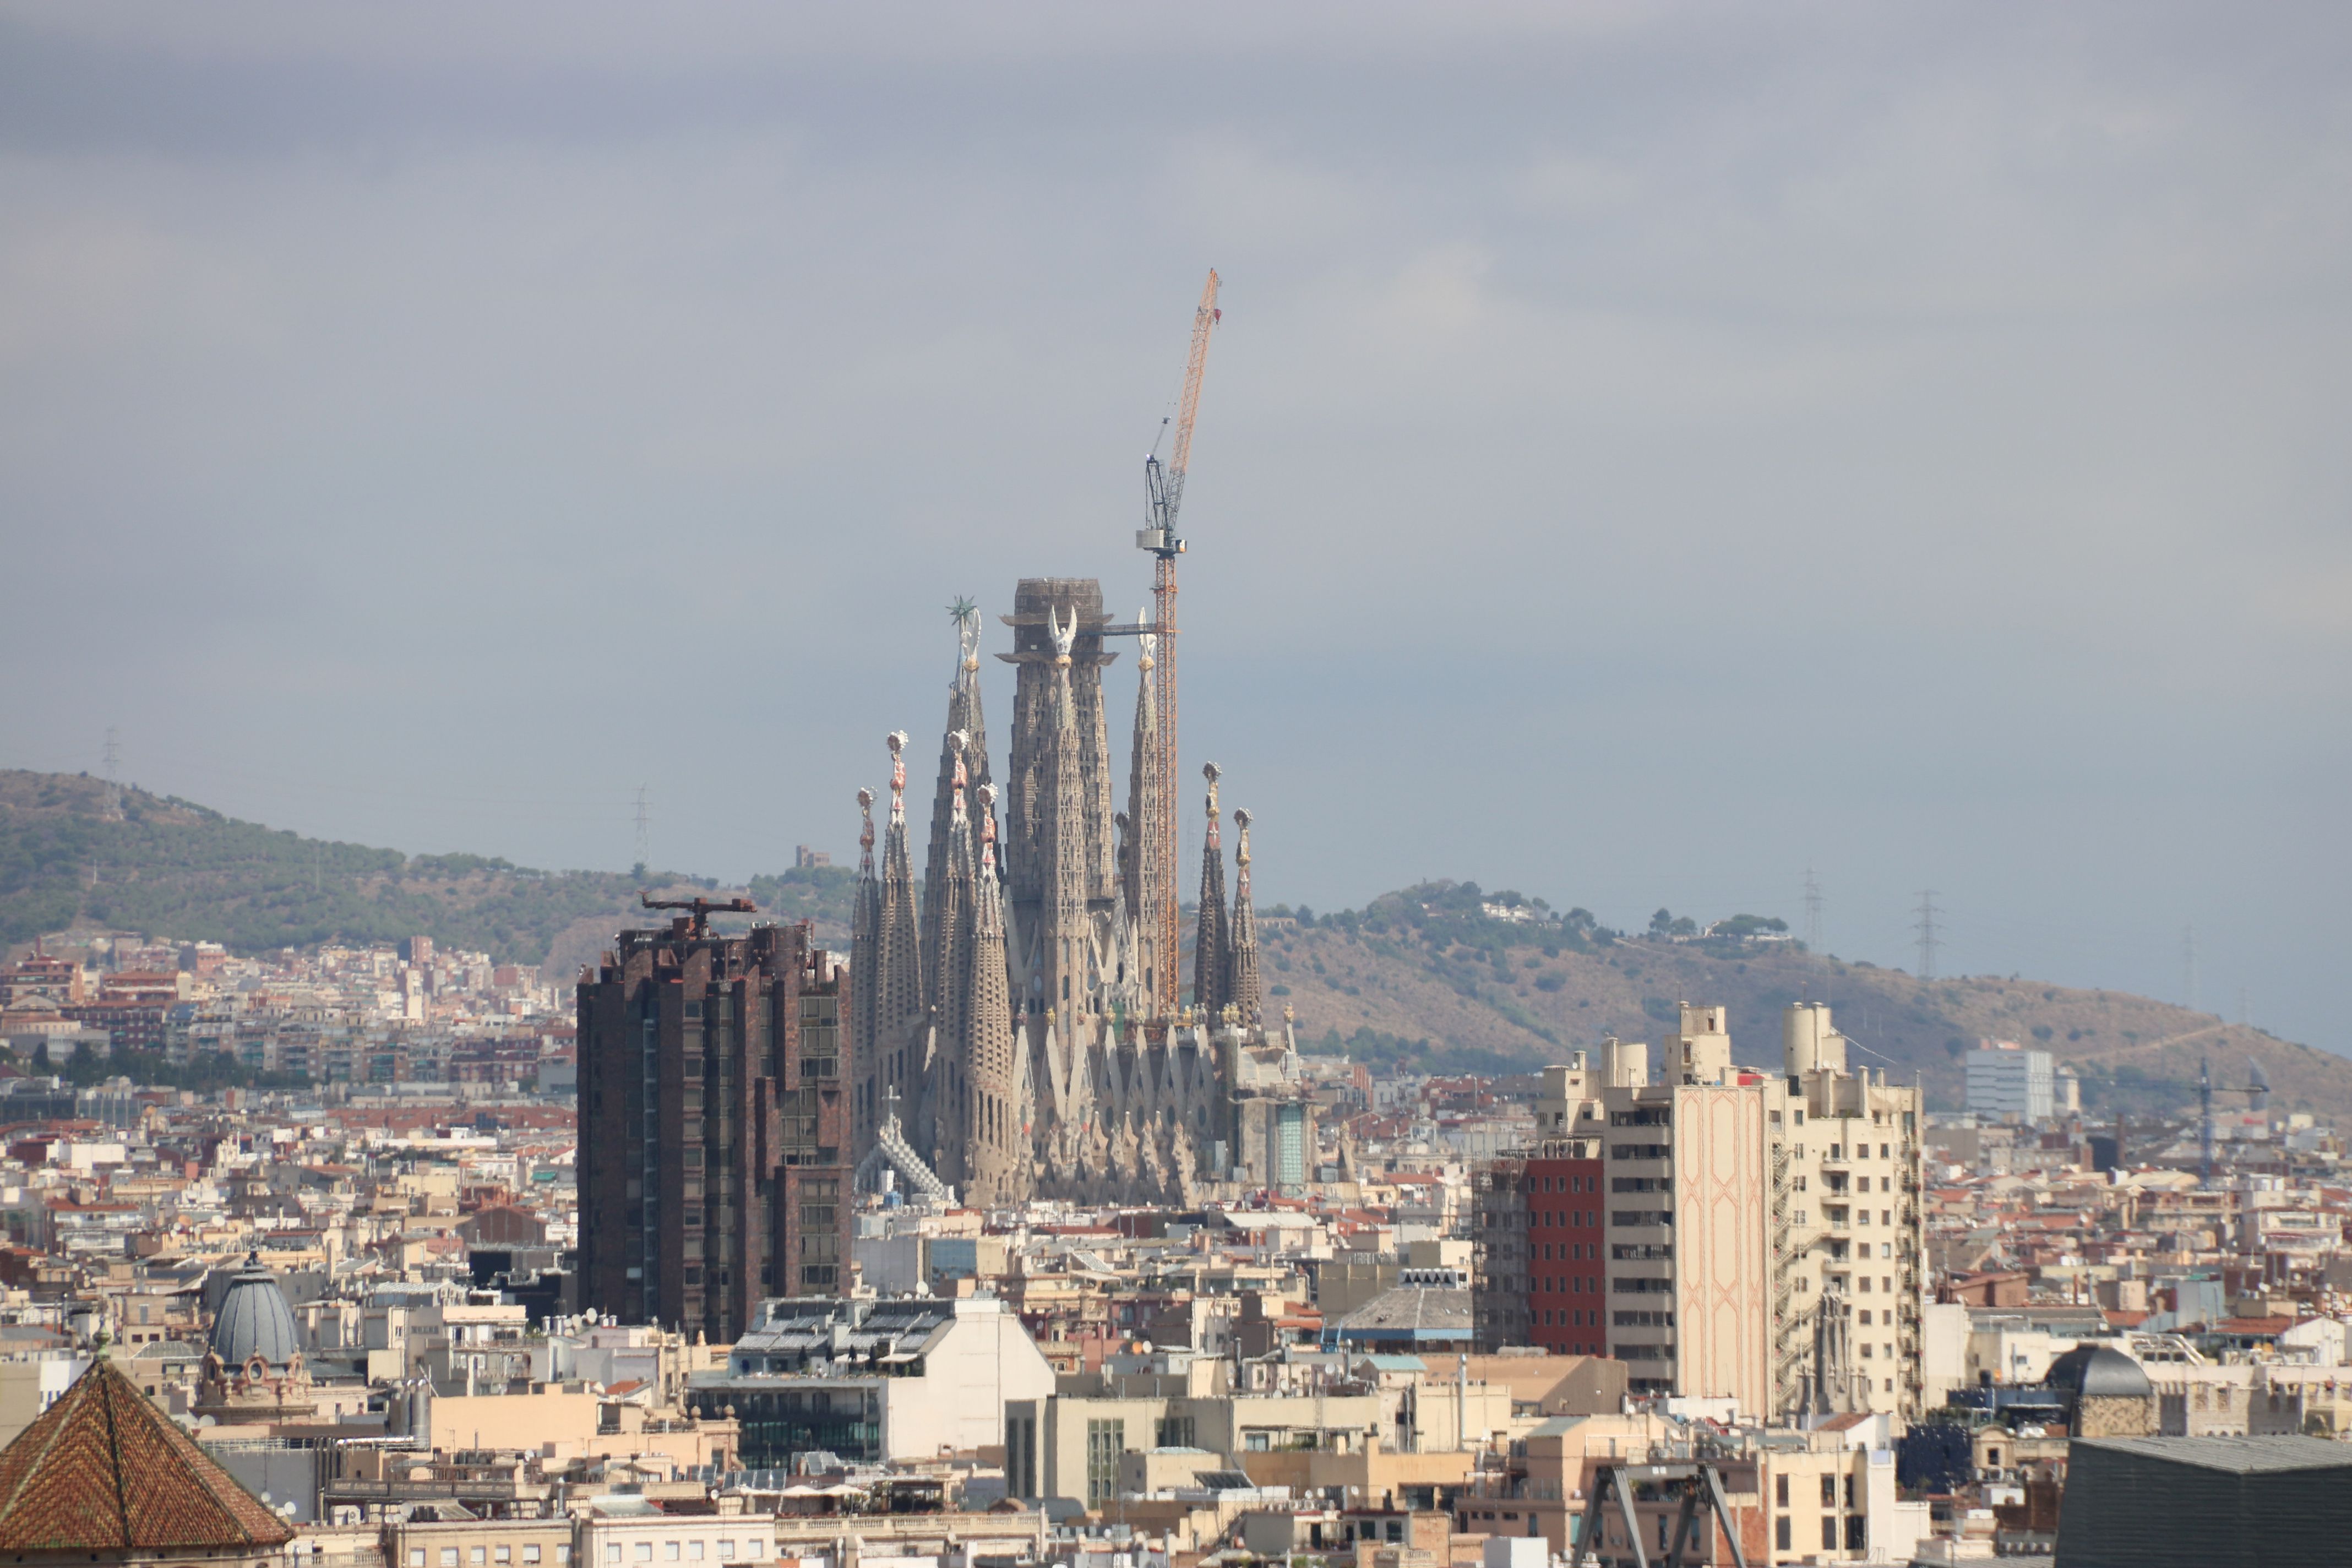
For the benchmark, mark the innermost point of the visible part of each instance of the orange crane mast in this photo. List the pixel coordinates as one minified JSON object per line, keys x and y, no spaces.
{"x":1163,"y":495}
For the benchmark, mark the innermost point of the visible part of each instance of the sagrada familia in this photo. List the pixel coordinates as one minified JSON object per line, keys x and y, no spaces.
{"x":1010,"y":1040}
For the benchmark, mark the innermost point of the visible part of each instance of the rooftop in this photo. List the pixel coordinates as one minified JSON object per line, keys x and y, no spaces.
{"x":2244,"y":1455}
{"x":103,"y":1469}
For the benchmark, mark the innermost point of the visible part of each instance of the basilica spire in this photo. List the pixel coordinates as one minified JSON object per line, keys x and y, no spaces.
{"x":897,"y":963}
{"x":864,"y":935}
{"x":1063,"y":927}
{"x":946,"y":1084}
{"x":997,"y":1163}
{"x":1241,"y":987}
{"x":1211,"y":943}
{"x":964,"y":717}
{"x":1145,"y":870}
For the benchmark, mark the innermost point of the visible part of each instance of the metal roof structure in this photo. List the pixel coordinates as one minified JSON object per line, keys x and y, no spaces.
{"x":1410,"y":1313}
{"x":2205,"y":1502}
{"x":254,"y":1320}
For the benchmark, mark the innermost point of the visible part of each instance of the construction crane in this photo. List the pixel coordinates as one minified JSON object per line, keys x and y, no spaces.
{"x":2257,"y":1091}
{"x":1163,"y":492}
{"x":699,"y":910}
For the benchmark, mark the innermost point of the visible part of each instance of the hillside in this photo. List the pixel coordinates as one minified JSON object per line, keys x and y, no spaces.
{"x":72,"y":857}
{"x":1425,"y":975}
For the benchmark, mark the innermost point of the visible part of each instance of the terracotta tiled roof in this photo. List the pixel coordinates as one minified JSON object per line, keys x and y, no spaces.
{"x":103,"y":1470}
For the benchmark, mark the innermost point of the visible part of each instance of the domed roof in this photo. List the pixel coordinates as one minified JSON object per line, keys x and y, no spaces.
{"x":2098,"y":1372}
{"x":255,"y":1319}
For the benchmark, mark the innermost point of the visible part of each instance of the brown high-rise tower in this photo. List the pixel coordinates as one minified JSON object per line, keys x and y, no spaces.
{"x":714,"y":1126}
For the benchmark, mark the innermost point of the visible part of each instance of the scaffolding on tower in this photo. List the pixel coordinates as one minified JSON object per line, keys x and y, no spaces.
{"x":1164,"y":489}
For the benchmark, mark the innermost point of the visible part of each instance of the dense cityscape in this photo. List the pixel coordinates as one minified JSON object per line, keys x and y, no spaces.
{"x":621,"y":946}
{"x":977,"y":1241}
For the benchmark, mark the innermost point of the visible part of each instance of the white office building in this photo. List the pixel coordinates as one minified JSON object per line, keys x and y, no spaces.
{"x":2006,"y":1078}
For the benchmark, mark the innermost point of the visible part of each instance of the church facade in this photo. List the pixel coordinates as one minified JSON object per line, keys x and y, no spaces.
{"x":1006,"y":1020}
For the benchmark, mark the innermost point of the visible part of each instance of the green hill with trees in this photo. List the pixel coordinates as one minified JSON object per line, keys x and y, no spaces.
{"x":1440,"y":978}
{"x":1445,"y":977}
{"x":75,"y":851}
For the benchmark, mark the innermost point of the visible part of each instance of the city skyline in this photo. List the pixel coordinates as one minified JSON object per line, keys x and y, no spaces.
{"x":1678,"y":454}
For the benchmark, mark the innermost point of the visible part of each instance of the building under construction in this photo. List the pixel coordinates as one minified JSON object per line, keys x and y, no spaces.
{"x":1015,"y":1034}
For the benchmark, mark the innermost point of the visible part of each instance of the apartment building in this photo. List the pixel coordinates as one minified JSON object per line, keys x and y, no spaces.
{"x":874,"y":1380}
{"x":1730,"y":1231}
{"x":714,"y":1141}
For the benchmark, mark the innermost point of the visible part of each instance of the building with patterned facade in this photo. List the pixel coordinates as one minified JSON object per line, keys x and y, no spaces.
{"x":1730,"y":1231}
{"x":714,"y":1126}
{"x":1008,"y":1020}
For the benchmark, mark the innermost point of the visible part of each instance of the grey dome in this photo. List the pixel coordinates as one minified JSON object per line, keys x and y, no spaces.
{"x":2098,"y":1372}
{"x":255,"y":1319}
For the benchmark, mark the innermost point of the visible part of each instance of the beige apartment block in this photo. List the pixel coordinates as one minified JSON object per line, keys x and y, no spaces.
{"x":479,"y":1543}
{"x":1760,"y":1229}
{"x":629,"y":1532}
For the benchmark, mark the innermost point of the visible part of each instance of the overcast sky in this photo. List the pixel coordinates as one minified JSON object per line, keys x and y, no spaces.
{"x":1649,"y":450}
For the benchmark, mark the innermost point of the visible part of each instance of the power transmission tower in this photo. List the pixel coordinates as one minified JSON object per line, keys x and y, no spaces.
{"x":2244,"y":1020}
{"x":2189,"y":966}
{"x":1813,"y":912}
{"x":1926,"y":927}
{"x":644,"y":829}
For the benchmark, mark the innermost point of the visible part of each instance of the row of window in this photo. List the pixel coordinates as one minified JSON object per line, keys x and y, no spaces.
{"x":1856,"y":1536}
{"x":477,"y":1555}
{"x":754,"y":1551}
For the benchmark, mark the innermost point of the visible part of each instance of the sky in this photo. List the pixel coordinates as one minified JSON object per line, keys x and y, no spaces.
{"x":1650,"y":451}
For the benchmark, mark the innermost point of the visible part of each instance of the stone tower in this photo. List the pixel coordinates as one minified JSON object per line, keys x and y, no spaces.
{"x":1211,"y":954}
{"x":947,"y":939}
{"x":886,"y":972}
{"x":871,"y":1093}
{"x":999,"y":1170}
{"x":1241,"y":987}
{"x":1143,"y":867}
{"x":1061,"y":967}
{"x":964,"y":718}
{"x":1037,"y":605}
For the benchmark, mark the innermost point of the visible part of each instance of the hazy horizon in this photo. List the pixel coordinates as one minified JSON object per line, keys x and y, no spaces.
{"x":1649,"y":451}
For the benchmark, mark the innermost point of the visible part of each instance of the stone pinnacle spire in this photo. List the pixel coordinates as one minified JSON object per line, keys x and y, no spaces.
{"x":998,"y":1167}
{"x":963,"y":715}
{"x":1145,"y":870}
{"x":1064,"y":938}
{"x":948,"y":1083}
{"x":865,"y":935}
{"x":898,"y":960}
{"x":1210,"y":945}
{"x":1241,"y":987}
